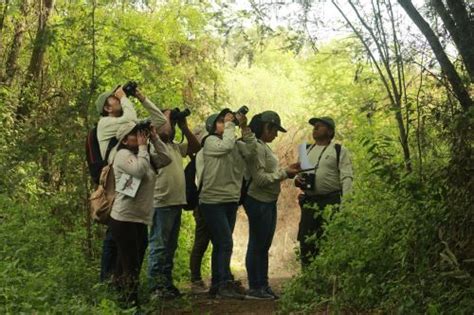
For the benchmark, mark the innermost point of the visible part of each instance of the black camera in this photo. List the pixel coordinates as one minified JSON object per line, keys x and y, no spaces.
{"x":130,"y":88}
{"x":178,"y":115}
{"x":242,"y":111}
{"x":143,"y":125}
{"x":309,"y":181}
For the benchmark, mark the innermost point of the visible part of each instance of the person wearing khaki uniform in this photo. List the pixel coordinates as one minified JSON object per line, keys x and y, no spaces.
{"x":130,"y":216}
{"x":324,"y":186}
{"x":220,"y":167}
{"x":261,"y":202}
{"x":169,"y":198}
{"x":117,"y":110}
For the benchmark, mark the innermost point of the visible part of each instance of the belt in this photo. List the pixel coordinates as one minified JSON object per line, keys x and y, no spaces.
{"x":304,"y":198}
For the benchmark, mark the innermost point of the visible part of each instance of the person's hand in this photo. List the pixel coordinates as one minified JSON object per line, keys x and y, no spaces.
{"x":300,"y":182}
{"x":293,"y":170}
{"x":119,"y":93}
{"x":228,"y":117}
{"x":242,"y":120}
{"x":138,"y":94}
{"x":183,"y":124}
{"x":142,"y":138}
{"x":153,"y":133}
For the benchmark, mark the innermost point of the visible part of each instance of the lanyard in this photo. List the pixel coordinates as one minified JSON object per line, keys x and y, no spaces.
{"x":320,"y":156}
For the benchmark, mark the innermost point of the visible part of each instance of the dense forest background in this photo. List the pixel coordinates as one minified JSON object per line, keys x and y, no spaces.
{"x":397,"y":77}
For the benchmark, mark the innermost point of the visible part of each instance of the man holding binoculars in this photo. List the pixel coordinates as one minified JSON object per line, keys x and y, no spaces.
{"x":331,"y":178}
{"x":169,"y":197}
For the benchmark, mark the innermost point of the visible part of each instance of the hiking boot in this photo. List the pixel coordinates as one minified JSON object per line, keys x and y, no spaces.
{"x":228,"y":291}
{"x":237,"y":284}
{"x":269,"y":290}
{"x":213,"y":291}
{"x":258,"y":294}
{"x":198,"y":287}
{"x":168,"y":293}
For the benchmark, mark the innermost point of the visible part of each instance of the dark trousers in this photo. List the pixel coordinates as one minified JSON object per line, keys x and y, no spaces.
{"x":202,"y":237}
{"x":312,"y":223}
{"x":131,"y":240}
{"x":262,"y":222}
{"x":163,"y":244}
{"x":220,"y":220}
{"x":109,"y":256}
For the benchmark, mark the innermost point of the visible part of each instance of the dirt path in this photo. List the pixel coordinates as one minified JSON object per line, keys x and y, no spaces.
{"x":202,"y":304}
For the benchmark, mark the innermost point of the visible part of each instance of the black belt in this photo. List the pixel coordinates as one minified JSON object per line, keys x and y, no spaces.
{"x":304,"y":198}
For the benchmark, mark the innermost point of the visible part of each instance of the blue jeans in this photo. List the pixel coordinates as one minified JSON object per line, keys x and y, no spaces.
{"x":262,"y":222}
{"x":109,"y":256}
{"x":220,"y":221}
{"x":163,"y":242}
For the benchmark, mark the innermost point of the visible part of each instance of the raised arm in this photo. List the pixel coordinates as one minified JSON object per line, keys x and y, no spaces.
{"x":160,"y":155}
{"x":136,"y":166}
{"x":157,"y":117}
{"x":215,"y":146}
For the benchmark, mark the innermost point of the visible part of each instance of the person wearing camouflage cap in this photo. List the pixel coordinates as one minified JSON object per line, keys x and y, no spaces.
{"x":324,"y":185}
{"x":220,"y":167}
{"x":261,"y":202}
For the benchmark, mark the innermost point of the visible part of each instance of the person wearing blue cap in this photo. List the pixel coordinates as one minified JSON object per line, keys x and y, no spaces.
{"x":220,"y":167}
{"x":324,"y":186}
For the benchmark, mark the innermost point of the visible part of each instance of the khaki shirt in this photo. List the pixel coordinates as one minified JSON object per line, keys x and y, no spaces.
{"x":170,"y":186}
{"x":138,"y":209}
{"x":221,"y":163}
{"x":265,"y":174}
{"x":328,"y":177}
{"x":108,"y":126}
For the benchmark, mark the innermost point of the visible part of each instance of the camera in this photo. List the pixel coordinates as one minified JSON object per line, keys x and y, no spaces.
{"x":178,"y":115}
{"x":242,"y":111}
{"x":143,"y":125}
{"x":130,"y":88}
{"x":309,"y":181}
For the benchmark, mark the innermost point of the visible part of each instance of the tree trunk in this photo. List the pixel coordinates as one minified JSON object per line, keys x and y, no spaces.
{"x":36,"y":60}
{"x":461,"y":30}
{"x":4,"y":9}
{"x":11,"y":65}
{"x":41,"y":40}
{"x":448,"y":68}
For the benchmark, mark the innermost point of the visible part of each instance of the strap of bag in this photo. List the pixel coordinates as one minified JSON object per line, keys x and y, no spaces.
{"x":112,"y":143}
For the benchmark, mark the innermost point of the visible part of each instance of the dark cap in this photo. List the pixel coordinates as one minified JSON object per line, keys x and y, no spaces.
{"x":272,"y":118}
{"x":328,"y":121}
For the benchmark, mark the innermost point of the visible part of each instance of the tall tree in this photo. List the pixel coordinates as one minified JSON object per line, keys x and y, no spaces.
{"x":37,"y":57}
{"x":466,"y":44}
{"x":11,"y":65}
{"x":383,"y":47}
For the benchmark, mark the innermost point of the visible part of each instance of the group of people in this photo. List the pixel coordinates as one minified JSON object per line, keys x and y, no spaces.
{"x":229,"y":171}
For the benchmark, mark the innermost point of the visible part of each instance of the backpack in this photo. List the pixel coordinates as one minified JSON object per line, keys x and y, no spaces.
{"x":192,"y":192}
{"x":102,"y":198}
{"x":93,"y":156}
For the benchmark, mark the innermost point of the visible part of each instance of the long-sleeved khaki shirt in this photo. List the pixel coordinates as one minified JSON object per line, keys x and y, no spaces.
{"x":138,"y":209}
{"x":266,"y":175}
{"x":108,"y":126}
{"x":221,"y":163}
{"x":329,"y":176}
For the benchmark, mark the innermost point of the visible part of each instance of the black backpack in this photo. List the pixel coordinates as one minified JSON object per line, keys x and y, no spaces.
{"x":93,"y":156}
